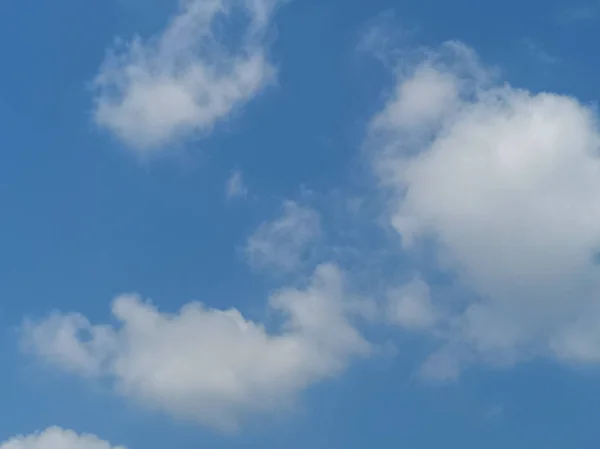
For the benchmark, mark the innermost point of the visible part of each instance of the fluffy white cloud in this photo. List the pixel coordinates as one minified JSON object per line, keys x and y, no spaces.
{"x":421,"y":99}
{"x":235,"y":187}
{"x":183,"y":81}
{"x":57,"y":438}
{"x":506,"y":182}
{"x":284,"y":243}
{"x":208,"y":365}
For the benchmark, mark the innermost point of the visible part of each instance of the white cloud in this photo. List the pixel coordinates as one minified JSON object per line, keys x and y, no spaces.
{"x":235,"y":187}
{"x":284,"y":244}
{"x":507,"y":184}
{"x":208,"y":365}
{"x":410,"y":306}
{"x":182,"y":82}
{"x":420,"y":100}
{"x":57,"y":438}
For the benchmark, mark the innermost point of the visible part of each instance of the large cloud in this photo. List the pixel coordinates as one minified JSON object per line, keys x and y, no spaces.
{"x":506,"y":182}
{"x":213,"y":366}
{"x":189,"y":77}
{"x":57,"y":438}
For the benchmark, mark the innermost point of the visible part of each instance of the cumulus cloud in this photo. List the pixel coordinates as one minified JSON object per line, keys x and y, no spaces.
{"x":57,"y":438}
{"x":235,"y":187}
{"x":211,"y":366}
{"x":195,"y":73}
{"x":506,"y":183}
{"x":284,"y":243}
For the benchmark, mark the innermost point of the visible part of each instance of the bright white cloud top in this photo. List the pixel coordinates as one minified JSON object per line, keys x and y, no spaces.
{"x":507,"y":184}
{"x":211,"y":366}
{"x":150,"y":94}
{"x":57,"y":438}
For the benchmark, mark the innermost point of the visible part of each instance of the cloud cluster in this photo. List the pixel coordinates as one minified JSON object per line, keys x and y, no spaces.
{"x":503,"y":182}
{"x":506,"y":183}
{"x":212,"y":366}
{"x":150,"y":94}
{"x":57,"y":438}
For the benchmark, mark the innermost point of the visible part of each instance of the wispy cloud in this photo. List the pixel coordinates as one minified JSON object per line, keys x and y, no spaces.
{"x":576,"y":14}
{"x":235,"y":186}
{"x":536,"y":51}
{"x":282,"y":245}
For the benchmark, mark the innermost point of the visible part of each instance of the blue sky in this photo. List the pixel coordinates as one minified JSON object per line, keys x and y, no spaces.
{"x":299,"y":224}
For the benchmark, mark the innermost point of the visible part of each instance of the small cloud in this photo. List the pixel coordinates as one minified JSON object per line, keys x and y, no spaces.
{"x":577,"y":14}
{"x":410,"y":306}
{"x":535,"y":50}
{"x":383,"y":38}
{"x":151,"y":94}
{"x":441,"y":367}
{"x":494,"y":412}
{"x":355,"y":204}
{"x":55,"y":437}
{"x":284,"y":243}
{"x":235,"y":187}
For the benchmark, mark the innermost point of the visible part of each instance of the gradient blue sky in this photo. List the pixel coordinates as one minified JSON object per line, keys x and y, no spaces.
{"x":85,"y":219}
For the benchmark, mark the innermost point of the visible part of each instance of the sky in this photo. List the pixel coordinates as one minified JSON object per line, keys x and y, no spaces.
{"x":299,"y":224}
